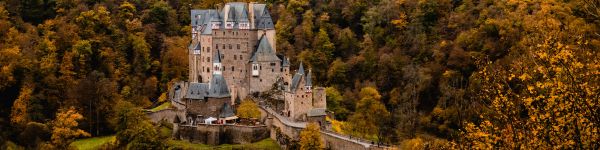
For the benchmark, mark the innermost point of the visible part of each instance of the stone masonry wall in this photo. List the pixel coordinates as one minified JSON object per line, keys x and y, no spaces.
{"x":210,"y":108}
{"x":221,"y":134}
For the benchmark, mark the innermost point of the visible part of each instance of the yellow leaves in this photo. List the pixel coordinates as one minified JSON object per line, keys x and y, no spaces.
{"x":19,"y":115}
{"x":401,"y":22}
{"x":525,"y":77}
{"x":528,"y":101}
{"x":64,"y":129}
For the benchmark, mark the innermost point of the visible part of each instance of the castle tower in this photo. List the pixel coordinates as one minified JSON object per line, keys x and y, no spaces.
{"x":308,"y":85}
{"x":217,"y":67}
{"x":194,"y":56}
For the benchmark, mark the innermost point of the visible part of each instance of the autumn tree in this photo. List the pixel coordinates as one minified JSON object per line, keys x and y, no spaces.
{"x":134,"y":129}
{"x":310,"y":138}
{"x":370,"y":114}
{"x":19,"y":115}
{"x":64,"y":128}
{"x":248,"y":109}
{"x":545,"y":96}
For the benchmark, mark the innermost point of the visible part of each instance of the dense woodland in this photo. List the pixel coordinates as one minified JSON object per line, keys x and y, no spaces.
{"x":414,"y":73}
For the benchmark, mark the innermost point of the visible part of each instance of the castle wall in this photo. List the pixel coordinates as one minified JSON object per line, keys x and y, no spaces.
{"x":268,"y":74}
{"x":210,"y":108}
{"x":167,"y":114}
{"x":214,"y":134}
{"x":319,"y":98}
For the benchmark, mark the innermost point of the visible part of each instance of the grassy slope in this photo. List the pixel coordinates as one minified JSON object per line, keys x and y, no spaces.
{"x":92,"y":143}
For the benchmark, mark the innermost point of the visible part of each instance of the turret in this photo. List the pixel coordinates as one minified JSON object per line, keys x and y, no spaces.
{"x":217,"y":69}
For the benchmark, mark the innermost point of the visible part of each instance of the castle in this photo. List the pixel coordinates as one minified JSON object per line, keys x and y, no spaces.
{"x":232,"y":55}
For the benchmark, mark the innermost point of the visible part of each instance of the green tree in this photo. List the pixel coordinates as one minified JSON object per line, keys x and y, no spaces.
{"x":310,"y":138}
{"x":134,"y":130}
{"x":163,"y":16}
{"x":370,"y":114}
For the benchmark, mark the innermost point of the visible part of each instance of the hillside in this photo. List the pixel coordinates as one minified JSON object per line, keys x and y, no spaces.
{"x":426,"y":74}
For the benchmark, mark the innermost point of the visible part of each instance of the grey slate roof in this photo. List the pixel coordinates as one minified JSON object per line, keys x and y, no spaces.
{"x":297,"y":77}
{"x":301,"y":69}
{"x":238,"y":12}
{"x":218,"y":87}
{"x":198,"y":46}
{"x":197,"y":91}
{"x":264,"y":52}
{"x":194,"y":16}
{"x":316,"y":112}
{"x":231,"y":15}
{"x":226,"y":111}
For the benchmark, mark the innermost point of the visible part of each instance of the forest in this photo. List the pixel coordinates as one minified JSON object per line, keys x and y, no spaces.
{"x":420,"y":74}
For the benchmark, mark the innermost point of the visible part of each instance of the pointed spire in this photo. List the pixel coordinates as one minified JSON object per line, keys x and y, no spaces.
{"x":309,"y":78}
{"x":301,"y":69}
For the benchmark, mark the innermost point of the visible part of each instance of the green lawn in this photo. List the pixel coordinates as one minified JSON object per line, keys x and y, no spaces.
{"x":266,"y":144}
{"x":161,"y":107}
{"x":92,"y":143}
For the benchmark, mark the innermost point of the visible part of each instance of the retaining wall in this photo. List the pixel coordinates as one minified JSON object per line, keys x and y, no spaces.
{"x":212,"y":134}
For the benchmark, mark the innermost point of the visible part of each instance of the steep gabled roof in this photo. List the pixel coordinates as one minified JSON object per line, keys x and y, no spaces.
{"x":197,"y":91}
{"x":218,"y":87}
{"x":265,"y":21}
{"x":264,"y":52}
{"x":301,"y":69}
{"x":297,"y":78}
{"x":231,"y":15}
{"x":198,"y":46}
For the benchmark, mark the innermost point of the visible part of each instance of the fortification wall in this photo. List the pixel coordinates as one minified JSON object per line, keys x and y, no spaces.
{"x":167,"y":114}
{"x":286,"y":132}
{"x":221,"y":134}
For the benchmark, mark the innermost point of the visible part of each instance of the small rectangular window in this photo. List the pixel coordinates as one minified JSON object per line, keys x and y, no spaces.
{"x":222,"y":56}
{"x":234,"y":57}
{"x":241,"y":58}
{"x":230,"y":46}
{"x":207,"y":59}
{"x":272,"y":64}
{"x":232,"y":68}
{"x":208,"y":49}
{"x":238,"y":46}
{"x":223,"y":46}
